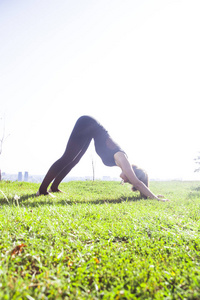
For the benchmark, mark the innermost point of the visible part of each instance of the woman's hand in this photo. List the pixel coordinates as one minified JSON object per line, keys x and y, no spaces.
{"x":159,"y":198}
{"x":128,"y":175}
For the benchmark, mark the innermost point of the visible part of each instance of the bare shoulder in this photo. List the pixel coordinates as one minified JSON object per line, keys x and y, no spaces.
{"x":120,"y":158}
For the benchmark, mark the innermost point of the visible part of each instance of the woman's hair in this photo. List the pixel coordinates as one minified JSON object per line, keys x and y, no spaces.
{"x":142,"y":176}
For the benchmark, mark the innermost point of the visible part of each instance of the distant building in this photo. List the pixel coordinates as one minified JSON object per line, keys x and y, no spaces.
{"x":25,"y":176}
{"x":19,"y":178}
{"x":106,"y":178}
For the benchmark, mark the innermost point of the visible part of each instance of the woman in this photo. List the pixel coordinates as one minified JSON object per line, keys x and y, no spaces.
{"x":86,"y":129}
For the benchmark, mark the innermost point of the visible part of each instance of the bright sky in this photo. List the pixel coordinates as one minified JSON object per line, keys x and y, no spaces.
{"x":132,"y":64}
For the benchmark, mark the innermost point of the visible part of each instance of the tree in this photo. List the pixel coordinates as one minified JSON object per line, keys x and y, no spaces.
{"x":93,"y":167}
{"x":197,"y":161}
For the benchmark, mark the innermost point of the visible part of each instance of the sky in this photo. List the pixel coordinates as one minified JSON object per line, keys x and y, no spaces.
{"x":134,"y":65}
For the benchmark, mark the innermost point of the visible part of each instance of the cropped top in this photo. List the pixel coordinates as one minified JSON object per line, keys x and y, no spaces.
{"x":105,"y":146}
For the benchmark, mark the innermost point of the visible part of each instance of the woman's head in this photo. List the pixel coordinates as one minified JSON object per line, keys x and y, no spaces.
{"x":140,"y":173}
{"x":142,"y":176}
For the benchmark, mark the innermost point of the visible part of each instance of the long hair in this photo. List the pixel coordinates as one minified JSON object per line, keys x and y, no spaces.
{"x":142,"y":176}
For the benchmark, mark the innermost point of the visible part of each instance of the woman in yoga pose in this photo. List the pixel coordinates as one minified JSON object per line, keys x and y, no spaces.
{"x":86,"y":129}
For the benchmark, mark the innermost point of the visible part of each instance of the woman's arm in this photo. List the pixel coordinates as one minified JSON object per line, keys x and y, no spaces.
{"x":122,"y":162}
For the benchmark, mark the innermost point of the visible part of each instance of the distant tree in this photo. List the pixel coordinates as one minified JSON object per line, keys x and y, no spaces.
{"x":197,"y":161}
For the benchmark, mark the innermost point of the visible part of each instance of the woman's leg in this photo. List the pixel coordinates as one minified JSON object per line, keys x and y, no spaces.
{"x":67,"y":169}
{"x":78,"y":143}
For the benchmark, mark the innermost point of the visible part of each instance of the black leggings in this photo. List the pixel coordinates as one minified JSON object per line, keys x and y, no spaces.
{"x":85,"y":129}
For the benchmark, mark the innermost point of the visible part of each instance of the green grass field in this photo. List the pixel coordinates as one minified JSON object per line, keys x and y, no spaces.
{"x":99,"y":241}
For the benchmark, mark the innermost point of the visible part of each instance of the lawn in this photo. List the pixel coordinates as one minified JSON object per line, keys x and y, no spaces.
{"x":98,"y":240}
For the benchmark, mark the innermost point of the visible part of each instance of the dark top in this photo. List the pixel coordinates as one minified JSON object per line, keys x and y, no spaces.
{"x":105,"y":146}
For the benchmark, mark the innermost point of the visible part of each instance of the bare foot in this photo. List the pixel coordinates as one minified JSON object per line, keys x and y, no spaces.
{"x":47,"y":194}
{"x":38,"y":193}
{"x":57,"y":191}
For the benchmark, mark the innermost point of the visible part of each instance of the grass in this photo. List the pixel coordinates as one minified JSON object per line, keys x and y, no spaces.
{"x":99,"y":241}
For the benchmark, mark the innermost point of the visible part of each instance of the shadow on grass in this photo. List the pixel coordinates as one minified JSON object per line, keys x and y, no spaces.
{"x":31,"y":200}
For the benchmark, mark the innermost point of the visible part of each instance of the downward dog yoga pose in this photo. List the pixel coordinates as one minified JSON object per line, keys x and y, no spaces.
{"x":86,"y":129}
